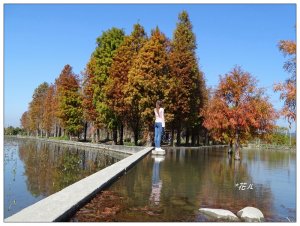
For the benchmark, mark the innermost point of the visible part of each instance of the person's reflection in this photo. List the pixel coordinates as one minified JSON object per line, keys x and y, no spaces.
{"x":156,"y":181}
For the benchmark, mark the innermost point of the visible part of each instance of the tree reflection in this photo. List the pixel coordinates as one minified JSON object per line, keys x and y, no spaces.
{"x":50,"y":167}
{"x":186,"y":181}
{"x":221,"y":190}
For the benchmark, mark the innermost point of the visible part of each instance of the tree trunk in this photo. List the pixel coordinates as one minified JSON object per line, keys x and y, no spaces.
{"x":97,"y":135}
{"x":187,"y":136}
{"x":178,"y":141}
{"x":107,"y":134}
{"x":199,"y":133}
{"x":198,"y":139}
{"x":193,"y":136}
{"x":206,"y":138}
{"x":93,"y":137}
{"x":85,"y":130}
{"x":136,"y":136}
{"x":237,"y":147}
{"x":115,"y":136}
{"x":121,"y":142}
{"x":172,"y":136}
{"x":56,"y":132}
{"x":149,"y":138}
{"x":230,"y":147}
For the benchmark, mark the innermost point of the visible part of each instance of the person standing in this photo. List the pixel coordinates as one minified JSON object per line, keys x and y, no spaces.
{"x":159,"y":126}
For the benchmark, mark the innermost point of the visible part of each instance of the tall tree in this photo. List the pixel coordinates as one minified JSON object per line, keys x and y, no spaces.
{"x":48,"y":115}
{"x":288,"y":88}
{"x":187,"y":91}
{"x":147,"y":80}
{"x":37,"y":108}
{"x":118,"y":78}
{"x":89,"y":107}
{"x":103,"y":55}
{"x":25,"y":122}
{"x":69,"y":101}
{"x":238,"y":110}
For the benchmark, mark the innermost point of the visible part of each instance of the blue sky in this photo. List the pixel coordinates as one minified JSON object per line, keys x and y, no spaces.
{"x":39,"y":39}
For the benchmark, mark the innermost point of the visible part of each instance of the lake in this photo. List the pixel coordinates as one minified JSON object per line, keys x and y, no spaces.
{"x":34,"y":169}
{"x":174,"y":187}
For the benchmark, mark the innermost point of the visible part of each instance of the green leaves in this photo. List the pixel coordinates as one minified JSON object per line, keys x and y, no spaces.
{"x":108,"y":44}
{"x":69,"y":101}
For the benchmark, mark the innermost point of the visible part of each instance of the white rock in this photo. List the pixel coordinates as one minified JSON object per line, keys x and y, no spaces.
{"x":158,"y":152}
{"x":251,"y":214}
{"x":220,"y":214}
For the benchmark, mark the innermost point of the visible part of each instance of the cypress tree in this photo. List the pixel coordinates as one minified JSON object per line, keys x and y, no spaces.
{"x":108,"y":43}
{"x":69,"y":108}
{"x":118,"y":78}
{"x":147,"y":81}
{"x":186,"y":91}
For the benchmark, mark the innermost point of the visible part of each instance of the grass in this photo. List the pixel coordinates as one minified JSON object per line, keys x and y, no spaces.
{"x":60,"y":138}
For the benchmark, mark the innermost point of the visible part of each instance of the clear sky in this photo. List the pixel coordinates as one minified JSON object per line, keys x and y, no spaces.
{"x":39,"y":39}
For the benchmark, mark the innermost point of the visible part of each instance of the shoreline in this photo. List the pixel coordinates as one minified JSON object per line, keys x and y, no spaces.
{"x":116,"y":148}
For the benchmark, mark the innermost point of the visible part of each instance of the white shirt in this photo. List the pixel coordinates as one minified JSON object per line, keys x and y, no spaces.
{"x":160,"y":117}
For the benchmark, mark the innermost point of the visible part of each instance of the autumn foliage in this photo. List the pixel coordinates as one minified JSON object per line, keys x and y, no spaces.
{"x":125,"y":76}
{"x":115,"y":87}
{"x":186,"y":89}
{"x":147,"y":80}
{"x":238,"y":110}
{"x":288,"y":88}
{"x":69,"y":101}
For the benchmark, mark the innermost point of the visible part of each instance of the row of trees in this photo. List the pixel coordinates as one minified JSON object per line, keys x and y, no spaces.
{"x":10,"y":130}
{"x":123,"y":79}
{"x":126,"y":75}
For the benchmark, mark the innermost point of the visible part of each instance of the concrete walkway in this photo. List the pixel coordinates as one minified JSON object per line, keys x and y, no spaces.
{"x":60,"y":205}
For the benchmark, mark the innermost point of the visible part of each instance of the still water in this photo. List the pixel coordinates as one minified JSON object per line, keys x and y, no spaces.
{"x":174,"y":187}
{"x":34,"y":170}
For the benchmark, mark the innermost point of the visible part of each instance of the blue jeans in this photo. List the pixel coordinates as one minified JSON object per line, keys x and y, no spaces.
{"x":157,"y":136}
{"x":155,"y":175}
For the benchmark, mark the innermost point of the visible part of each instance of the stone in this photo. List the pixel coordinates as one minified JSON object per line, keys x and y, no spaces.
{"x":158,"y":152}
{"x":251,"y":214}
{"x":219,"y":214}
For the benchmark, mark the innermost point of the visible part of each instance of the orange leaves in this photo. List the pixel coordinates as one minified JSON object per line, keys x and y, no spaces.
{"x":288,"y":89}
{"x":36,"y":107}
{"x":186,"y":89}
{"x":238,"y":106}
{"x":49,"y":114}
{"x":69,"y":101}
{"x":287,"y":47}
{"x":146,"y":77}
{"x":118,"y":73}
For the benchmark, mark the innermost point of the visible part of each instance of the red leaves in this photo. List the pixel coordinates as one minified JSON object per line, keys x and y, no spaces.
{"x":288,"y":89}
{"x":238,"y":105}
{"x":287,"y":47}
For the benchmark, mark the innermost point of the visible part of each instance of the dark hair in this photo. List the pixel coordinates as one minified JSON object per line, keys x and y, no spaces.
{"x":159,"y":104}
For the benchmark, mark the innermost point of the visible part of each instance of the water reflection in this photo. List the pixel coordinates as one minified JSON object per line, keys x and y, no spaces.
{"x":156,"y":181}
{"x":188,"y":179}
{"x":51,"y":167}
{"x":34,"y":170}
